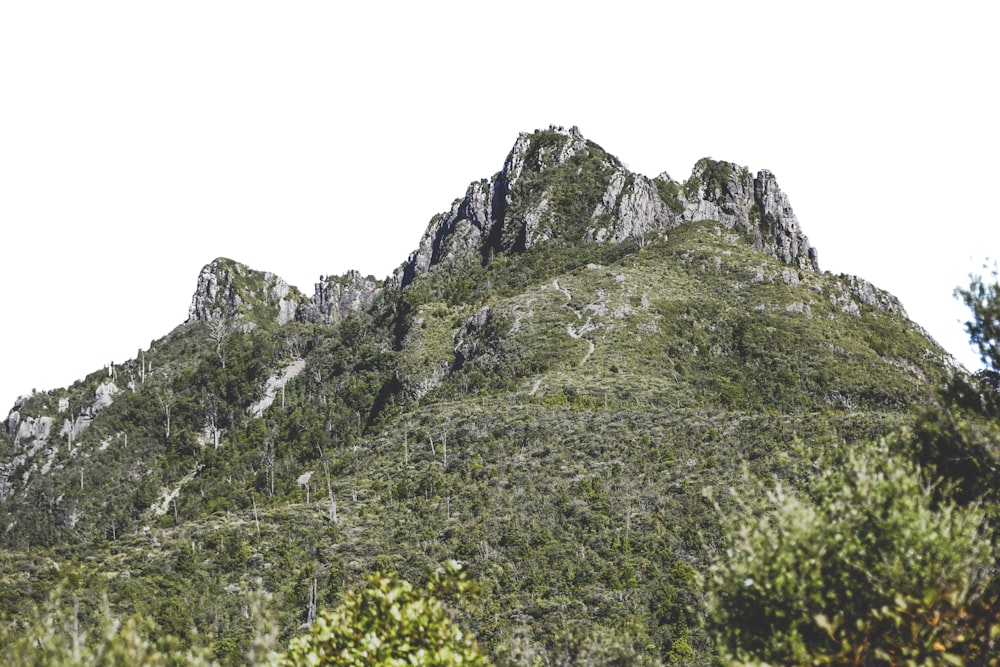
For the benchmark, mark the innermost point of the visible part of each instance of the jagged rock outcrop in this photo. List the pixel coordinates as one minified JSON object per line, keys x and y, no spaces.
{"x":853,"y":292}
{"x":338,"y":296}
{"x":13,"y":418}
{"x":728,"y":193}
{"x":555,"y":183}
{"x":485,"y":220}
{"x":230,"y":290}
{"x":233,"y":291}
{"x":632,"y":207}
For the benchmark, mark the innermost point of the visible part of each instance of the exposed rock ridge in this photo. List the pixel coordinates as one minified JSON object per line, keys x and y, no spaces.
{"x":337,"y":297}
{"x":231,"y":290}
{"x":478,"y":222}
{"x":523,"y":205}
{"x":728,"y":193}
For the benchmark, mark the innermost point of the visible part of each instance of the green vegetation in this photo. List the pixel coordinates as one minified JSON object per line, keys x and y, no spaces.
{"x":715,"y":176}
{"x":571,"y":190}
{"x":885,"y":554}
{"x":862,"y":565}
{"x":669,"y":192}
{"x":549,"y":416}
{"x":983,"y":299}
{"x":391,"y":623}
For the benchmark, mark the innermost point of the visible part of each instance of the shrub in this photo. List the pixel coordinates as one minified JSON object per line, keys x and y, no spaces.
{"x":390,"y":622}
{"x":864,"y":568}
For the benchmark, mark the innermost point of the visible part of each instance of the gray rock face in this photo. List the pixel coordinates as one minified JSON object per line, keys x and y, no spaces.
{"x":479,"y":222}
{"x":230,"y":290}
{"x":728,"y":193}
{"x":33,"y":429}
{"x":215,"y":297}
{"x":498,"y":216}
{"x":337,"y":297}
{"x":233,"y":291}
{"x":632,"y":207}
{"x":853,"y":292}
{"x":13,"y":420}
{"x":104,"y":395}
{"x":35,"y":444}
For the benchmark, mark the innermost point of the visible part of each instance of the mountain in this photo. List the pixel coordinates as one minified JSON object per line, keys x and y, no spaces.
{"x":542,"y":390}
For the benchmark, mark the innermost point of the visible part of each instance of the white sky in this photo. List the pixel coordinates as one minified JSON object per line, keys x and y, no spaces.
{"x":140,"y":140}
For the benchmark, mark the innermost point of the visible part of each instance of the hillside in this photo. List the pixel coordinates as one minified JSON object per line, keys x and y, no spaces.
{"x":543,"y":390}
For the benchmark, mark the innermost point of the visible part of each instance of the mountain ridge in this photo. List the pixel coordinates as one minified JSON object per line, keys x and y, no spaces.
{"x":541,"y":390}
{"x":503,"y":215}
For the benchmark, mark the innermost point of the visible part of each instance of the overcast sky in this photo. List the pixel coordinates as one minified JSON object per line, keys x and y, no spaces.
{"x":140,"y":140}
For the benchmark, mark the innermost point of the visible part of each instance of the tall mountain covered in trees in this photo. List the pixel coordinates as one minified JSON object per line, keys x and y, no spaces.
{"x":547,"y":390}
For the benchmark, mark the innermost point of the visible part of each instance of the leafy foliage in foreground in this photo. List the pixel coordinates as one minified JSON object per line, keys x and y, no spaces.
{"x":62,"y":635}
{"x":863,"y":565}
{"x":886,"y":555}
{"x":391,"y":623}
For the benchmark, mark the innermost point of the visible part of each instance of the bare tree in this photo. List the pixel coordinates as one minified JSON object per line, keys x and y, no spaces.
{"x":218,"y":330}
{"x":303,"y":480}
{"x":213,"y":422}
{"x":165,"y":395}
{"x":329,"y":493}
{"x":311,"y":611}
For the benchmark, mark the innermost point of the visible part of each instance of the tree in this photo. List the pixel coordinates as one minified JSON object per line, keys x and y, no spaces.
{"x":166,"y":397}
{"x":983,"y":299}
{"x":219,"y":329}
{"x":865,"y":567}
{"x":389,"y":622}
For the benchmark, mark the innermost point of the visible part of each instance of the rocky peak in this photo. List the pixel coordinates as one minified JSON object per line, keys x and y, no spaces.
{"x":557,"y":184}
{"x":338,"y":296}
{"x":486,"y":220}
{"x":231,"y":290}
{"x":728,"y":193}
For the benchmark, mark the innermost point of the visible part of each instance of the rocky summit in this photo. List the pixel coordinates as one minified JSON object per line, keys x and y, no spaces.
{"x":555,"y":184}
{"x":546,"y":390}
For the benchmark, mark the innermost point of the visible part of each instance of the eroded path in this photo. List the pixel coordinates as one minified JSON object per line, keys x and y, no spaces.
{"x":574,"y":332}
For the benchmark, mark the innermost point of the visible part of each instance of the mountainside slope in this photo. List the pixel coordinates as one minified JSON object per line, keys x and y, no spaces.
{"x":542,"y":391}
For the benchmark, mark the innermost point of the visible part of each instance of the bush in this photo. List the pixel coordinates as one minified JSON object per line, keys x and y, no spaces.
{"x":390,"y":622}
{"x":864,"y":568}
